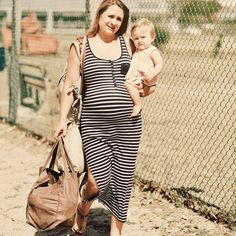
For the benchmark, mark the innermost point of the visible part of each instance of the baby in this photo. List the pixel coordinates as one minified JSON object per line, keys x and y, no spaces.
{"x":146,"y":63}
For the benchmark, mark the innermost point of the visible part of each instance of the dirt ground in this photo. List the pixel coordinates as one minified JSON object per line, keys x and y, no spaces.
{"x":21,"y":154}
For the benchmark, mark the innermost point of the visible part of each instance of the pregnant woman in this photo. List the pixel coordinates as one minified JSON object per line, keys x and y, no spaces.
{"x":110,"y":135}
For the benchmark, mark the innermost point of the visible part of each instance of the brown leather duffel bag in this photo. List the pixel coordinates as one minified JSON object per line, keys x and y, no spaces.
{"x":54,"y":196}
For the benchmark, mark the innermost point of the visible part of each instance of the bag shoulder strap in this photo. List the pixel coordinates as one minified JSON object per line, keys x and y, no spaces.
{"x":79,"y":45}
{"x":82,"y":42}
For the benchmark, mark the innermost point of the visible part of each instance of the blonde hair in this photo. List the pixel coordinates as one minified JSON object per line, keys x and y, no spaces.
{"x":143,"y":22}
{"x":102,"y":8}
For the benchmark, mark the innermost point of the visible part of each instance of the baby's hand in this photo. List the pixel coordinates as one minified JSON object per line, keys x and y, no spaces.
{"x":146,"y":75}
{"x":135,"y":77}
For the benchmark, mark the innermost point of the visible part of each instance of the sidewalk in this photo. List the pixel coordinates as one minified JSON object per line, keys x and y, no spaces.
{"x":21,"y":155}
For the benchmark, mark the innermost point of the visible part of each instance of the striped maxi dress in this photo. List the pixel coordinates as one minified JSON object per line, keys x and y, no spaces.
{"x":110,"y":136}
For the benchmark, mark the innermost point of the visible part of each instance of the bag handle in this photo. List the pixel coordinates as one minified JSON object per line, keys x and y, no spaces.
{"x":53,"y":151}
{"x":53,"y":155}
{"x":66,"y":157}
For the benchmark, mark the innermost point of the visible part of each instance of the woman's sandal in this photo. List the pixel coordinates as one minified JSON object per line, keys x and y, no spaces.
{"x":80,"y":222}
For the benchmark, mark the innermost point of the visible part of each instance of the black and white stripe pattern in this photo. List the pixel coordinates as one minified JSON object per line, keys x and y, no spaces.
{"x":110,"y":136}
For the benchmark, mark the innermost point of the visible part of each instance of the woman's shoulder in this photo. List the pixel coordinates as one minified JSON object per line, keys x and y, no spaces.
{"x":78,"y":45}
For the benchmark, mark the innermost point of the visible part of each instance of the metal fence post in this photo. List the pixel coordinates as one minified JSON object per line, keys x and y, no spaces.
{"x":93,"y":7}
{"x":87,"y":14}
{"x":14,"y":65}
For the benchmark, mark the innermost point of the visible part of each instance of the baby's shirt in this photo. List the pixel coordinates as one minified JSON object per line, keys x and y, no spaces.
{"x":142,"y":61}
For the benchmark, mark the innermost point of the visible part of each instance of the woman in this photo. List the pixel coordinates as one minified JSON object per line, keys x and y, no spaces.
{"x":110,"y":136}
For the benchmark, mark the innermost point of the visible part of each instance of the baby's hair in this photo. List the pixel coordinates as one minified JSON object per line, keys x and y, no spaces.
{"x":144,"y":22}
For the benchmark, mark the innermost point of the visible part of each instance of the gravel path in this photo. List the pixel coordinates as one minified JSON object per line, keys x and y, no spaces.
{"x":21,"y":154}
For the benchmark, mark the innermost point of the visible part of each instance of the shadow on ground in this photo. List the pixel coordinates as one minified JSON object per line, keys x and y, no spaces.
{"x":98,"y":225}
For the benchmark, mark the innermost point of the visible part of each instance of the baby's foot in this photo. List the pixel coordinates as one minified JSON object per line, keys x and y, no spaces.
{"x":136,"y":110}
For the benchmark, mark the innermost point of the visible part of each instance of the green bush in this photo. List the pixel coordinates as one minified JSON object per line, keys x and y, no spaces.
{"x":133,"y":18}
{"x":162,"y":37}
{"x":197,"y":10}
{"x":69,"y":18}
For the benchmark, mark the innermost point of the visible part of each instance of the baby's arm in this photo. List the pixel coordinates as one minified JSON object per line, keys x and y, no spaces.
{"x":157,"y":61}
{"x":133,"y":76}
{"x":151,"y":75}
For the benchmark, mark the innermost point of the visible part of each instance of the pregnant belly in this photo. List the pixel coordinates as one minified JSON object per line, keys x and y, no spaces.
{"x":107,"y":102}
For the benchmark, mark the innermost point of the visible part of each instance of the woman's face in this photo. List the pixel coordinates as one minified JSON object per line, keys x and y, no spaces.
{"x":111,"y":20}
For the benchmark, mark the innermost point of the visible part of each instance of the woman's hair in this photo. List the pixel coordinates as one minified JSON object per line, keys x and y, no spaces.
{"x":102,"y":8}
{"x":143,"y":22}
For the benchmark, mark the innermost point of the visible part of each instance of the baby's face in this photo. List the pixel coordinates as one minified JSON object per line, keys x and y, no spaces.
{"x":141,"y":37}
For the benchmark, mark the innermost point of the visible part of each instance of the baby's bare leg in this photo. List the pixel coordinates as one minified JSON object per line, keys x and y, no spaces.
{"x":135,"y":96}
{"x":147,"y":90}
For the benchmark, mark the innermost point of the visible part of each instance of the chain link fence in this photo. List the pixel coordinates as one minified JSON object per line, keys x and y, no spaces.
{"x":188,"y":145}
{"x":188,"y":148}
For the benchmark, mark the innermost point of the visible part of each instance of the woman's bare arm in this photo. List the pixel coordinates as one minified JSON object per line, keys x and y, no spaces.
{"x":72,"y":78}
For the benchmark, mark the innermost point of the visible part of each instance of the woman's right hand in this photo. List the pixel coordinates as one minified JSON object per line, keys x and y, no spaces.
{"x":61,"y":129}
